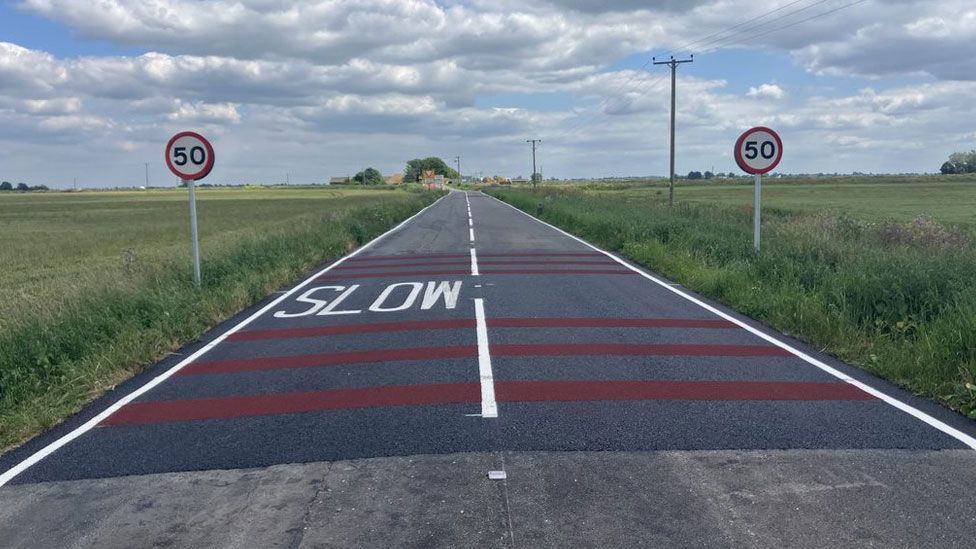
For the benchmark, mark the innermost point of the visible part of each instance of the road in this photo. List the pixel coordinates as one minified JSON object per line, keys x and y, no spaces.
{"x":366,"y":405}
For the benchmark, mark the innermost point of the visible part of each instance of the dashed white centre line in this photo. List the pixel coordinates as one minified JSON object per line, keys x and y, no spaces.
{"x":474,"y":263}
{"x":471,"y":234}
{"x":489,"y":408}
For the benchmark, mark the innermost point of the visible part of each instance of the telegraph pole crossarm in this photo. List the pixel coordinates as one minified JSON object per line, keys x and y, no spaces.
{"x":673,"y":63}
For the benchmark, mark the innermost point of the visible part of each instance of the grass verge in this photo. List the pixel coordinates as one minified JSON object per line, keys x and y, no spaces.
{"x":55,"y":361}
{"x":896,"y":298}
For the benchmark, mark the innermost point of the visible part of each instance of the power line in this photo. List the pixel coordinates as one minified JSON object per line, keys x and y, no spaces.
{"x":811,"y":18}
{"x":605,"y":103}
{"x":715,"y":44}
{"x":720,"y":40}
{"x":733,"y":27}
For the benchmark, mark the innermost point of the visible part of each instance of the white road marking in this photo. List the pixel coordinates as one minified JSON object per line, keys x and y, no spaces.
{"x":908,"y":409}
{"x":471,"y":234}
{"x":489,"y":408}
{"x":9,"y":474}
{"x":474,"y":263}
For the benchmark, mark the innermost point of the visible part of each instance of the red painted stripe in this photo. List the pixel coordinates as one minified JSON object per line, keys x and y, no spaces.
{"x":545,"y":262}
{"x":420,"y":257}
{"x":139,"y":413}
{"x":626,"y":349}
{"x":465,"y":263}
{"x":401,"y":274}
{"x":539,"y":391}
{"x":392,"y":274}
{"x":402,"y":265}
{"x":363,"y":259}
{"x":462,"y":323}
{"x":353,"y":329}
{"x":609,"y":323}
{"x":330,"y":359}
{"x":556,"y":271}
{"x":540,"y":254}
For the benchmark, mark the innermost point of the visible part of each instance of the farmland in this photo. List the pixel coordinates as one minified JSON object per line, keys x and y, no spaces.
{"x":849,"y":267}
{"x":948,"y":199}
{"x":97,"y":284}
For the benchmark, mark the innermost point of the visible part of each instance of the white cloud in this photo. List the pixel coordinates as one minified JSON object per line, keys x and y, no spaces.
{"x":203,"y":113}
{"x":766,"y":91}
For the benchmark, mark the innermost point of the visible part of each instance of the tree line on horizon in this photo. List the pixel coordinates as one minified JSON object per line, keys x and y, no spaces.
{"x":22,"y":187}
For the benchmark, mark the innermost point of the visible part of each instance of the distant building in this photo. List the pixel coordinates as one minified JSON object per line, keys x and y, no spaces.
{"x":395,"y":179}
{"x":339,"y":180}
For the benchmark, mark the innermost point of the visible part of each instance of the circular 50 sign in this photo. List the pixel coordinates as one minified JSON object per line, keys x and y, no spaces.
{"x":758,"y":150}
{"x":190,"y":156}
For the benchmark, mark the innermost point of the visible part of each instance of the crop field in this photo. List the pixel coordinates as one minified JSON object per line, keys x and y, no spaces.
{"x":97,"y":285}
{"x":948,"y":199}
{"x":850,"y":268}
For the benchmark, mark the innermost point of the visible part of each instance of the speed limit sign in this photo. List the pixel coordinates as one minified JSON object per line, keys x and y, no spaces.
{"x":758,"y":150}
{"x":190,"y":156}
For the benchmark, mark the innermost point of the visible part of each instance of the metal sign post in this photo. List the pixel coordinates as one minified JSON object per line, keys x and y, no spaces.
{"x":758,"y":151}
{"x":756,"y":222}
{"x":194,"y":237}
{"x":191,"y":157}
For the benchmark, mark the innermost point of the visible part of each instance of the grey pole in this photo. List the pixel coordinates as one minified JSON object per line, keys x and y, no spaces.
{"x":147,"y":174}
{"x":674,"y":68}
{"x":533,"y":141}
{"x":193,"y":231}
{"x":756,"y":222}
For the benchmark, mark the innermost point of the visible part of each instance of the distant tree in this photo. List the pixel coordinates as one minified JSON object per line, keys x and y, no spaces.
{"x":369,"y":176}
{"x":709,"y":175}
{"x":39,"y":188}
{"x":694,"y":175}
{"x":417,"y":166}
{"x":22,"y":187}
{"x":6,"y":186}
{"x":536,"y":178}
{"x":960,"y":162}
{"x":948,"y":168}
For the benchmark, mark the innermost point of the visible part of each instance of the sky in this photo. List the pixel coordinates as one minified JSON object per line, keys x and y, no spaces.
{"x":302,"y":91}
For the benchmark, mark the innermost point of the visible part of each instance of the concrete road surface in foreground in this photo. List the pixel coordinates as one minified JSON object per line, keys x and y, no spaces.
{"x":366,"y":405}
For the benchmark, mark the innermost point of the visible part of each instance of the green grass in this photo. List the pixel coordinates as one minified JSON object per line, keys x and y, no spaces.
{"x":952,"y":201}
{"x":82,"y":312}
{"x":896,"y":298}
{"x":949,"y":199}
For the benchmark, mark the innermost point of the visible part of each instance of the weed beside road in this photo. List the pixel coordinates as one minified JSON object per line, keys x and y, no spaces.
{"x":896,"y":298}
{"x":98,"y":285}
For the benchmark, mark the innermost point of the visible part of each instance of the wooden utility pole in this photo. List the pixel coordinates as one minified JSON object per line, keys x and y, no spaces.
{"x":674,"y":66}
{"x":533,"y":141}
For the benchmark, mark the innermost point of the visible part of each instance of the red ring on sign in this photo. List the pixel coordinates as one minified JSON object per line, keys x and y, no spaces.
{"x":742,"y":161}
{"x":203,"y":171}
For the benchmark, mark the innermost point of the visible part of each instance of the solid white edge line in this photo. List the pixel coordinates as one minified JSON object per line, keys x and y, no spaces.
{"x":474,"y":263}
{"x":907,"y":408}
{"x":11,"y":473}
{"x":489,"y":408}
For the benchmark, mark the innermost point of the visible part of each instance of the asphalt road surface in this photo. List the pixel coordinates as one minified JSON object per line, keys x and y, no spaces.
{"x":366,"y":405}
